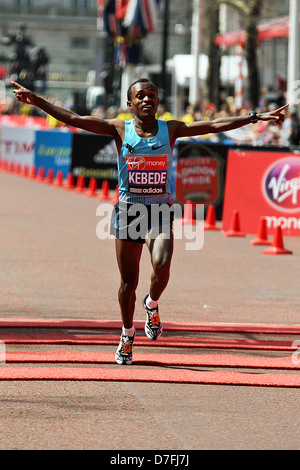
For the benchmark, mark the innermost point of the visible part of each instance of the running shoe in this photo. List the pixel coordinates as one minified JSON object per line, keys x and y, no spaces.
{"x":153,"y":325}
{"x":124,"y":351}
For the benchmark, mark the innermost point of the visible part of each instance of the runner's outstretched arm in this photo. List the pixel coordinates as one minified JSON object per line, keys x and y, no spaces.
{"x":226,"y":123}
{"x":88,"y":123}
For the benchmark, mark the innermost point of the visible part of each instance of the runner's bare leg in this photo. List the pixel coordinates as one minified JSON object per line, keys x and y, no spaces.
{"x":128,"y":255}
{"x":161,"y":251}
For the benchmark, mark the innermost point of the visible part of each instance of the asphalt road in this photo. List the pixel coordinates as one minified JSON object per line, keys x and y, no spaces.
{"x":53,"y":266}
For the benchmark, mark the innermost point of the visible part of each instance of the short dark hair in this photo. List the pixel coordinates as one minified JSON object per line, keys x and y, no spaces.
{"x":140,"y":80}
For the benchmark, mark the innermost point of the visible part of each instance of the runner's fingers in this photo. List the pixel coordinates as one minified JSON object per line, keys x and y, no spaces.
{"x":279,"y":120}
{"x":282,"y":108}
{"x":21,"y":97}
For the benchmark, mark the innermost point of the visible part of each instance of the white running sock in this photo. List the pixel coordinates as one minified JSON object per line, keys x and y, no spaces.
{"x":151,"y":303}
{"x":128,"y":331}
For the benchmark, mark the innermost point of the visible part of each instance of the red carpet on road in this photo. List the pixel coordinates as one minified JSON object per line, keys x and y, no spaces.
{"x":188,"y":360}
{"x":171,"y":342}
{"x":128,"y":374}
{"x":157,"y":367}
{"x":139,"y":325}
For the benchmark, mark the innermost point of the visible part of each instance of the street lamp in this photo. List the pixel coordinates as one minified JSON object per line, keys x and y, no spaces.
{"x":165,"y":39}
{"x":293,"y":55}
{"x":194,"y":95}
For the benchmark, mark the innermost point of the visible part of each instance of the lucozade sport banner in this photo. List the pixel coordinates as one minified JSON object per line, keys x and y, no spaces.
{"x":263,"y":184}
{"x":53,"y":149}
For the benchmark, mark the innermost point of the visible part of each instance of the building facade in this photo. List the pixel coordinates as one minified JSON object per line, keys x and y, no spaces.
{"x":78,"y":52}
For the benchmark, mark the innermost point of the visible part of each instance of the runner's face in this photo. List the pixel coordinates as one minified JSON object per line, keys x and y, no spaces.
{"x":144,"y":100}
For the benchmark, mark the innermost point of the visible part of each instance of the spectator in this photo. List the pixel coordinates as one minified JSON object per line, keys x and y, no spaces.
{"x":124,"y":114}
{"x":286,"y":130}
{"x":163,"y":114}
{"x":295,"y":128}
{"x":189,"y":115}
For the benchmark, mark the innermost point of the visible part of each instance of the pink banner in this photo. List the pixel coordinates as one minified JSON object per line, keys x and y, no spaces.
{"x":15,"y":120}
{"x":263,"y":184}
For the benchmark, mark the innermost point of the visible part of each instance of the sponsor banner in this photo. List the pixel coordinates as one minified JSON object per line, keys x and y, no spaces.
{"x":200,"y":171}
{"x":263,"y":184}
{"x":53,"y":149}
{"x":95,"y":156}
{"x":16,"y":120}
{"x":34,"y":122}
{"x":18,"y":145}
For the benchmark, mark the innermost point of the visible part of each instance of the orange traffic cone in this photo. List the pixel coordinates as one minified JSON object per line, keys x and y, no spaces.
{"x":69,"y":185}
{"x":4,"y":165}
{"x":235,"y":226}
{"x":49,"y":179}
{"x":32,"y":173}
{"x":58,"y":180}
{"x":210,"y":220}
{"x":92,"y":191}
{"x":277,"y":247}
{"x":104,"y":195}
{"x":41,"y":174}
{"x":17,"y":169}
{"x":80,"y":186}
{"x":24,"y":171}
{"x":261,"y":236}
{"x":11,"y":166}
{"x":188,"y":215}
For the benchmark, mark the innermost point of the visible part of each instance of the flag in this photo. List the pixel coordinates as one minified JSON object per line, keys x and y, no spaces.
{"x":109,"y":11}
{"x":130,"y":13}
{"x":109,"y":18}
{"x":128,"y":21}
{"x":123,"y":17}
{"x":121,"y":8}
{"x":141,"y":16}
{"x":149,"y":13}
{"x":102,"y":6}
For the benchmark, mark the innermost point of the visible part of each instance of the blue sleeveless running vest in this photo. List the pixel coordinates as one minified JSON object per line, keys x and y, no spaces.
{"x":145,"y":167}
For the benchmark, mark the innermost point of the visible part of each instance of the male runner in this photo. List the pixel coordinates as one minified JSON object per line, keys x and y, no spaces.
{"x":144,"y":145}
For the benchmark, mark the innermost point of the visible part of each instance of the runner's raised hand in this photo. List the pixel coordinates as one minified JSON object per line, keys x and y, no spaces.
{"x":277,"y":115}
{"x":23,"y":94}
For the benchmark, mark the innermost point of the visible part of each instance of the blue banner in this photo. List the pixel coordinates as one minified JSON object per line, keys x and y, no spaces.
{"x":53,"y":149}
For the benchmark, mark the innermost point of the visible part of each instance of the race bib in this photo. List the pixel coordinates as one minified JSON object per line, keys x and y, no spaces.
{"x":147,"y":174}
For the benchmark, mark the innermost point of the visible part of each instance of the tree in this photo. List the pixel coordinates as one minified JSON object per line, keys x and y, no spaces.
{"x":252,"y":11}
{"x":211,"y":29}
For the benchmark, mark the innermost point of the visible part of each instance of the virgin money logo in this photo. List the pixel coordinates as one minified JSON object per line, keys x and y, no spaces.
{"x":281,"y":184}
{"x":136,"y":163}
